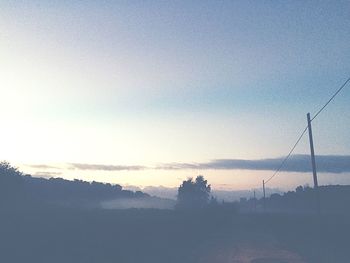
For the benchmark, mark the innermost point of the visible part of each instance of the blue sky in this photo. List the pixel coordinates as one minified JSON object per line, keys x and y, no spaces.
{"x":149,"y":82}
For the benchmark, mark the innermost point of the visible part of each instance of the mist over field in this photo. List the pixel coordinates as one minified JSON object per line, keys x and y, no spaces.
{"x":145,"y":203}
{"x":221,"y":195}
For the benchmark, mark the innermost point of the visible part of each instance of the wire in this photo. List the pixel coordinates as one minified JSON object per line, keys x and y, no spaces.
{"x":288,"y":155}
{"x":334,"y":95}
{"x":302,"y":134}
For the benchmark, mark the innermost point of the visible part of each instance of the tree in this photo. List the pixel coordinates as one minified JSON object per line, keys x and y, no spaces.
{"x":11,"y":185}
{"x":193,"y":194}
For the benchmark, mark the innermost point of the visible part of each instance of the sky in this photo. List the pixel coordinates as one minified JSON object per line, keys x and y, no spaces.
{"x":124,"y":91}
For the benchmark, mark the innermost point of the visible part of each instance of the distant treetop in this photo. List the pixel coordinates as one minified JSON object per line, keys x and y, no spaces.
{"x":193,"y":193}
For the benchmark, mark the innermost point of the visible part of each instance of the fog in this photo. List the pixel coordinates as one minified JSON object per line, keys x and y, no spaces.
{"x":145,"y":203}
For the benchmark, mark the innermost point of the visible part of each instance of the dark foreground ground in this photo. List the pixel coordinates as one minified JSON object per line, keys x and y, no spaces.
{"x":105,"y":236}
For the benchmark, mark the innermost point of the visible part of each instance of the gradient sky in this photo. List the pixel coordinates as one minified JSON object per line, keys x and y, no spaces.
{"x":143,"y":83}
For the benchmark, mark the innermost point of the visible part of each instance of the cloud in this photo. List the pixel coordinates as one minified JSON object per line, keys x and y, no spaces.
{"x":179,"y":166}
{"x":47,"y":174}
{"x":42,"y":166}
{"x":102,"y":167}
{"x":296,"y":163}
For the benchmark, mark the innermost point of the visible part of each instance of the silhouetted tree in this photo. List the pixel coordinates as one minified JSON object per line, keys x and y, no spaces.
{"x":299,"y":189}
{"x":11,"y":185}
{"x":6,"y":169}
{"x":193,"y":194}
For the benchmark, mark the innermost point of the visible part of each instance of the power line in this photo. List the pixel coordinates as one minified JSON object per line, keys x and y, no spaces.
{"x":288,"y":155}
{"x":334,"y":95}
{"x":302,"y":134}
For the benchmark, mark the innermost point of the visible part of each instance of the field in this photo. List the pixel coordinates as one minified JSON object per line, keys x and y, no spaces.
{"x":148,"y":235}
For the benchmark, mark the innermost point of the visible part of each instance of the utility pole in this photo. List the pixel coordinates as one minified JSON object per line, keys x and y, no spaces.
{"x":264,"y":204}
{"x":313,"y":161}
{"x":312,"y":151}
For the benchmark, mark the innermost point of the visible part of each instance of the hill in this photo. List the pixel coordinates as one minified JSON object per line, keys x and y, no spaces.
{"x":18,"y":190}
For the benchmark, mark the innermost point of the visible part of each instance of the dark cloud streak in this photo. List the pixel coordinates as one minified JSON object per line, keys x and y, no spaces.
{"x":296,"y":163}
{"x":102,"y":167}
{"x":42,"y":166}
{"x":47,"y":174}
